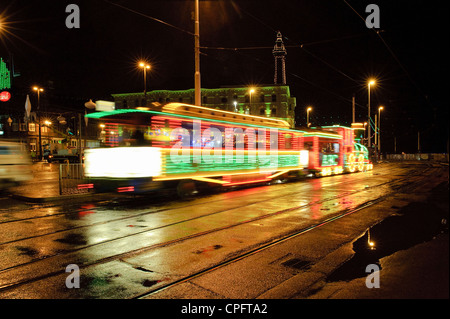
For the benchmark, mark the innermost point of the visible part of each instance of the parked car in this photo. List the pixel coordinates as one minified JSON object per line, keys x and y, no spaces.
{"x":15,"y":165}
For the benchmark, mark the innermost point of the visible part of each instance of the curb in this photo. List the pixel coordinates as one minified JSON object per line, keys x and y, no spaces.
{"x":58,"y":198}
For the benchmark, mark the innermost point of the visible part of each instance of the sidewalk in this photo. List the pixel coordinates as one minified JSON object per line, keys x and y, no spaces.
{"x":44,"y":187}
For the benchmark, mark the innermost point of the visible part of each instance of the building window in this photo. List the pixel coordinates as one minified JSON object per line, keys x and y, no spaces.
{"x":15,"y":127}
{"x":224,"y":100}
{"x":274,"y":112}
{"x":274,"y":97}
{"x":23,"y":127}
{"x":32,"y":127}
{"x":205,"y":100}
{"x":261,"y":98}
{"x":125,"y":104}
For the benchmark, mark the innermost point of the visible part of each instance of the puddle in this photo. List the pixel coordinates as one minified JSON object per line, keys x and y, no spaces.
{"x":415,"y":223}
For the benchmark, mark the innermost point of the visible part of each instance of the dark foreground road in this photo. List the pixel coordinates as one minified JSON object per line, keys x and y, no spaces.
{"x":295,"y":240}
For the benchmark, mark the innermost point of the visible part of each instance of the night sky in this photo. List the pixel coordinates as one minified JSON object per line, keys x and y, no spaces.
{"x":331,"y":55}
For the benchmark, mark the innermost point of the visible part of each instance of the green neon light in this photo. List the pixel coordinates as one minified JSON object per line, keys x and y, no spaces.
{"x":330,"y":159}
{"x":185,"y":163}
{"x":99,"y":115}
{"x":5,"y":76}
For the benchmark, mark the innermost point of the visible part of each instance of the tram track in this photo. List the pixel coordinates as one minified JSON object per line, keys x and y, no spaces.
{"x":183,"y":220}
{"x":195,"y":235}
{"x":64,"y":214}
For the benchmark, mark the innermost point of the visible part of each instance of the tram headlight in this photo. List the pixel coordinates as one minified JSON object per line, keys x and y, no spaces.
{"x":123,"y":162}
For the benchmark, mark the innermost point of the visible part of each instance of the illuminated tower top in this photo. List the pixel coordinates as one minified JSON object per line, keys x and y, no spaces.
{"x":279,"y":53}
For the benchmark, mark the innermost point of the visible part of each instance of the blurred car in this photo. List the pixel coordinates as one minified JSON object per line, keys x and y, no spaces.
{"x":15,"y":165}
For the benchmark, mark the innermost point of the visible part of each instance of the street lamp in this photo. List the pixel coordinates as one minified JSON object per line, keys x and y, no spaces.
{"x":379,"y":127}
{"x":371,"y":83}
{"x":144,"y":66}
{"x":39,"y":90}
{"x":309,"y":109}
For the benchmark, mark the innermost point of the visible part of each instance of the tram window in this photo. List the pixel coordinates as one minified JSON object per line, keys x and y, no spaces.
{"x":288,"y":141}
{"x":308,"y":146}
{"x":329,"y":148}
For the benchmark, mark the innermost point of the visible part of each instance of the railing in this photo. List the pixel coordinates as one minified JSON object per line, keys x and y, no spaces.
{"x":440,"y":157}
{"x":72,"y":179}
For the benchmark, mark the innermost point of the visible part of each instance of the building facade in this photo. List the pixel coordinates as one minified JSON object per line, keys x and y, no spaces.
{"x":271,"y":101}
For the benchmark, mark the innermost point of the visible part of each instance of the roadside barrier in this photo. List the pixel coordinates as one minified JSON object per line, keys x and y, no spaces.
{"x":72,"y":179}
{"x":418,"y":157}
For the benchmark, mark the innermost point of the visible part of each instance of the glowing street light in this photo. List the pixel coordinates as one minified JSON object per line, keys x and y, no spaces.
{"x":144,"y":66}
{"x":309,"y":109}
{"x":371,"y":83}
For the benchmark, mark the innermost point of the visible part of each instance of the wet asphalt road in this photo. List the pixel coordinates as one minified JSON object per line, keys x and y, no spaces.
{"x":131,"y":247}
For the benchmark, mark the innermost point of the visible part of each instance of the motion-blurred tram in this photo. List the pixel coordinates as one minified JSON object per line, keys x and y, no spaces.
{"x":183,"y":146}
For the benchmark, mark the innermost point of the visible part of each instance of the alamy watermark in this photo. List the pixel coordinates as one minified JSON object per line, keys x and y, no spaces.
{"x":73,"y":19}
{"x":73,"y":280}
{"x":233,"y":145}
{"x":373,"y":279}
{"x":373,"y":19}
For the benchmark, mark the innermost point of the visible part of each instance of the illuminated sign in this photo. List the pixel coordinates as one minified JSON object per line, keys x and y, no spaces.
{"x":5,"y":76}
{"x":5,"y":96}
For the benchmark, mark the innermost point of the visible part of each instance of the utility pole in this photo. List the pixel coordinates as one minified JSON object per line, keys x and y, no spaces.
{"x":395,"y":145}
{"x":418,"y":142}
{"x":79,"y":137}
{"x":353,"y":109}
{"x":197,"y":89}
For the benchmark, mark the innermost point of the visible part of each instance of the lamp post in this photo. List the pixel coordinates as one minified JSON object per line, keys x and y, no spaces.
{"x":379,"y":127}
{"x":371,"y":82}
{"x":309,"y":109}
{"x":39,"y":90}
{"x":365,"y":124}
{"x":250,"y":104}
{"x":144,"y":66}
{"x":48,"y":123}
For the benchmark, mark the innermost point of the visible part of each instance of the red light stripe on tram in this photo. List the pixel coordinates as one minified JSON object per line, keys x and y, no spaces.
{"x":85,"y":186}
{"x":247,"y":182}
{"x":125,"y":189}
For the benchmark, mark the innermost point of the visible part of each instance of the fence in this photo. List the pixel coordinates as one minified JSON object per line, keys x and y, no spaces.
{"x":72,"y":179}
{"x":439,"y":157}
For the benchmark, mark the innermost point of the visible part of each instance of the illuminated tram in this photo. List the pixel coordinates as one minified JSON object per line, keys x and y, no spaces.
{"x":181,"y":145}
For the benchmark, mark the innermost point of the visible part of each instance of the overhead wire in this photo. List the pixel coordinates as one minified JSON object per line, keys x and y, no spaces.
{"x":378,"y":33}
{"x":255,"y":48}
{"x":149,"y":17}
